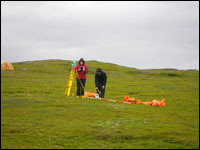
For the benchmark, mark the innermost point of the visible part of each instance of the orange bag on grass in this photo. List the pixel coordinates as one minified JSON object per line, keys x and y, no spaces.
{"x":89,"y":94}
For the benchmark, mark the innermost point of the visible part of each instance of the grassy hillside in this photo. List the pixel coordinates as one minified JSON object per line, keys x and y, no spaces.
{"x":36,"y":114}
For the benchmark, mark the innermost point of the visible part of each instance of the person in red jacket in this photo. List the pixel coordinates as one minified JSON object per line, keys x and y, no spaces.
{"x":82,"y":69}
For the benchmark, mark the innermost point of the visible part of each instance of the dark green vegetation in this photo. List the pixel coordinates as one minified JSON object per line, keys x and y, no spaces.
{"x":36,"y":114}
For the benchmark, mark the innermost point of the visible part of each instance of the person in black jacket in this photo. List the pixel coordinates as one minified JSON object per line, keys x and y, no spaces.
{"x":100,"y":81}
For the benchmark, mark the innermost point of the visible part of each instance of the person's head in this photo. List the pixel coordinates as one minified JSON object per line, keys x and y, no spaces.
{"x":81,"y":62}
{"x":99,"y":71}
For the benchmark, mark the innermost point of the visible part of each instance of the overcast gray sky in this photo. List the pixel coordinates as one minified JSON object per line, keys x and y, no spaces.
{"x":143,"y":35}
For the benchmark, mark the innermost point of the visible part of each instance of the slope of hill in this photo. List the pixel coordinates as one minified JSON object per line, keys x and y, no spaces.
{"x":36,"y":114}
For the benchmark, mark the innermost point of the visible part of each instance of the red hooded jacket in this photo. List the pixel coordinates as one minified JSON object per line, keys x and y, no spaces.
{"x":82,"y":74}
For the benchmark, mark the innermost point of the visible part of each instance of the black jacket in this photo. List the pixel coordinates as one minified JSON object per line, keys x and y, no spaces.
{"x":100,"y":79}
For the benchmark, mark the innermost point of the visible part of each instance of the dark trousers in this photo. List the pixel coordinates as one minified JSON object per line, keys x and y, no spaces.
{"x":101,"y":90}
{"x":80,"y":90}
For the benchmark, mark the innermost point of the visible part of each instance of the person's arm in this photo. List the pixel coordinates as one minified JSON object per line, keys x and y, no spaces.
{"x":96,"y":81}
{"x":78,"y":68}
{"x":105,"y":79}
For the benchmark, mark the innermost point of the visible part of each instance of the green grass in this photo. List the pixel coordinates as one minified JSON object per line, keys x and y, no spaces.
{"x":36,"y":114}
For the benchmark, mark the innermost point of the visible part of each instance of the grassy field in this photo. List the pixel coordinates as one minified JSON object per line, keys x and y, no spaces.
{"x":36,"y":114}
